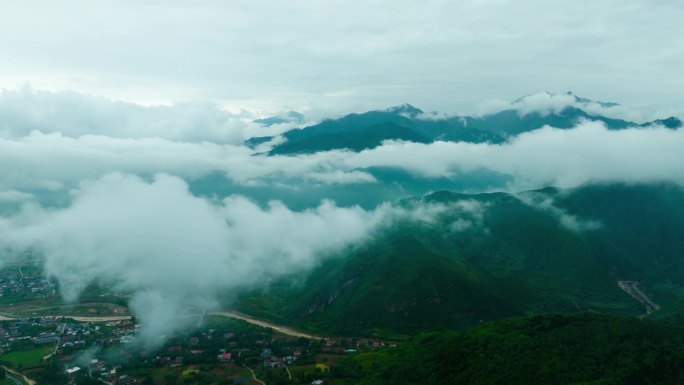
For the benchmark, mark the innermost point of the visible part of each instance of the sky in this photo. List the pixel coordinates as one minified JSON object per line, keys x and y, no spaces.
{"x":341,"y":56}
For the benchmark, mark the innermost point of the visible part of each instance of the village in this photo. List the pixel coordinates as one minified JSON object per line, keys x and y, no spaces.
{"x":43,"y":341}
{"x":59,"y":350}
{"x":18,"y":285}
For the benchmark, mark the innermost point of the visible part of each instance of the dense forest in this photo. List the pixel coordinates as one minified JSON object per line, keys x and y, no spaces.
{"x":552,"y":349}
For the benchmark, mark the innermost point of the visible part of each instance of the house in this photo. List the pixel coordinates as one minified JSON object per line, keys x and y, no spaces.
{"x":266,"y":353}
{"x":71,"y":373}
{"x":126,"y":380}
{"x":73,"y":370}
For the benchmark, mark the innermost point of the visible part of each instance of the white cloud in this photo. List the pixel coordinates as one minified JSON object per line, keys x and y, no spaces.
{"x":548,"y":156}
{"x":175,"y":252}
{"x":565,"y":158}
{"x":545,"y":203}
{"x":544,"y":103}
{"x":75,"y":115}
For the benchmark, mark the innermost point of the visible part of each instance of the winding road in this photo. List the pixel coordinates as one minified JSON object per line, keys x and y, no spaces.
{"x":266,"y":324}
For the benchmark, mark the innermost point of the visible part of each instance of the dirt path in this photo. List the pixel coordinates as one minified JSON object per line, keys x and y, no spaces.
{"x":98,"y":318}
{"x":266,"y":324}
{"x":254,"y":375}
{"x":47,"y":356}
{"x":19,"y":375}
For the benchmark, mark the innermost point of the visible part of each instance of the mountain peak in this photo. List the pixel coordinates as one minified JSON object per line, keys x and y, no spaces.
{"x":405,"y":109}
{"x":567,"y":98}
{"x":288,"y":117}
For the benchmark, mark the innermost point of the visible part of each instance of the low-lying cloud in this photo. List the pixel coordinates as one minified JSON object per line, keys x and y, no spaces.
{"x":54,"y":140}
{"x":173,"y":251}
{"x":547,"y":204}
{"x":74,"y":115}
{"x":548,"y":156}
{"x":176,"y":253}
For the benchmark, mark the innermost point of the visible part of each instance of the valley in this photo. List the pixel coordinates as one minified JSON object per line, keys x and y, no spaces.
{"x":544,"y":258}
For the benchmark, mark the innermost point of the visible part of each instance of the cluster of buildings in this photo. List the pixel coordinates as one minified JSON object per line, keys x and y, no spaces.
{"x":20,"y":285}
{"x":272,"y":361}
{"x":70,"y":338}
{"x":39,"y":331}
{"x":227,"y":349}
{"x":351,"y":345}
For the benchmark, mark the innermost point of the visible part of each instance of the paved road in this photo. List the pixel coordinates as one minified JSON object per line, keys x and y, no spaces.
{"x":73,"y":317}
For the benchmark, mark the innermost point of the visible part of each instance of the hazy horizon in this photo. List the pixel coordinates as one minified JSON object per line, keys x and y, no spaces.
{"x":343,"y":57}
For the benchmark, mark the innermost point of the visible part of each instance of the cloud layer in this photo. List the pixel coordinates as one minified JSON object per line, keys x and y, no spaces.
{"x":175,"y":252}
{"x":74,"y":115}
{"x":564,"y":158}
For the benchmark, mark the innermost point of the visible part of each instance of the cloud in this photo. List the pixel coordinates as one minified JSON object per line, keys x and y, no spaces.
{"x":546,"y":103}
{"x":176,"y":253}
{"x":173,"y":251}
{"x":458,"y":215}
{"x":472,"y":213}
{"x":543,"y":202}
{"x":15,"y":196}
{"x":75,"y":115}
{"x":548,"y":156}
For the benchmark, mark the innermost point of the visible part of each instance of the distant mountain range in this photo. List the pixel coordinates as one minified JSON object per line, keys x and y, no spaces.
{"x":289,"y":117}
{"x":367,"y":130}
{"x":490,"y":256}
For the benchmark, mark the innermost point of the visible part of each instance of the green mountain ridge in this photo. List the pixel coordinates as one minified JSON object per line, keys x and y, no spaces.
{"x":367,"y":130}
{"x":515,"y":256}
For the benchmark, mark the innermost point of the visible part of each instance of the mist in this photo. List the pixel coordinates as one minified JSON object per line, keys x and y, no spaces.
{"x":175,"y":252}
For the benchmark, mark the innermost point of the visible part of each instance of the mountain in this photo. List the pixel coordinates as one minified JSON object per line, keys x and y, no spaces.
{"x":367,"y":130}
{"x":289,"y":117}
{"x":490,"y":256}
{"x":367,"y":137}
{"x":552,"y":349}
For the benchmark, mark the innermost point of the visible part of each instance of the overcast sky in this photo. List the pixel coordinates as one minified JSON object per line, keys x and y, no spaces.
{"x":343,"y":55}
